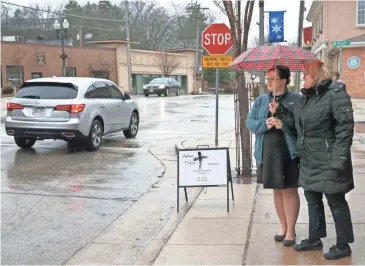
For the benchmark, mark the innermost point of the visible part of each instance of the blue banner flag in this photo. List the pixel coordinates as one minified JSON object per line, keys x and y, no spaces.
{"x":276,"y":24}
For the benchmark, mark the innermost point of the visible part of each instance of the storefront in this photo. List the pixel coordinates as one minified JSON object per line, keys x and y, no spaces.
{"x":104,"y":59}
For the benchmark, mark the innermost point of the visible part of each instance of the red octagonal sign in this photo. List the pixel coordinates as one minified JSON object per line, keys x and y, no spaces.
{"x":217,"y":39}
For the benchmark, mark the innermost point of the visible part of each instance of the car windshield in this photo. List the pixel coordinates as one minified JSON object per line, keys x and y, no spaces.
{"x":159,"y":81}
{"x":47,"y":91}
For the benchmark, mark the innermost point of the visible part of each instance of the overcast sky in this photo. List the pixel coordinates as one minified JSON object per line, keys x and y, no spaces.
{"x":290,"y":18}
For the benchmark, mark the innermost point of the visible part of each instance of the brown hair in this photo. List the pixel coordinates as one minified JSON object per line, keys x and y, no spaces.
{"x":319,"y":71}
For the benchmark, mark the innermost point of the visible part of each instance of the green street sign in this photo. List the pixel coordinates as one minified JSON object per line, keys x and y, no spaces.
{"x":341,"y":43}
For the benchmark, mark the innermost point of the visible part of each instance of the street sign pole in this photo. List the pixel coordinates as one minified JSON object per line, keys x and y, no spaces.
{"x":340,"y":45}
{"x":216,"y":104}
{"x":217,"y":41}
{"x":340,"y":65}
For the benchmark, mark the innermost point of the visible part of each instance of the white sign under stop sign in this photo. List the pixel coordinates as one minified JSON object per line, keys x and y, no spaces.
{"x":217,"y":39}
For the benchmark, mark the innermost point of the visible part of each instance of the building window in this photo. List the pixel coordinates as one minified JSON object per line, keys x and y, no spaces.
{"x":101,"y":75}
{"x":15,"y":75}
{"x":70,"y":71}
{"x":360,"y":13}
{"x":41,"y":60}
{"x":37,"y":75}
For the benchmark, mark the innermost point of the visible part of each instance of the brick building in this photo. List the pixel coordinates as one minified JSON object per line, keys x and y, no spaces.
{"x":339,"y":21}
{"x":23,"y":61}
{"x":104,"y":59}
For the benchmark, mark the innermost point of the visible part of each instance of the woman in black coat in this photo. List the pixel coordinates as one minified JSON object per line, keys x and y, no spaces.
{"x":325,"y":126}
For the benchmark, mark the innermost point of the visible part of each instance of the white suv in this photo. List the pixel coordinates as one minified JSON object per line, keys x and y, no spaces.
{"x":72,"y":109}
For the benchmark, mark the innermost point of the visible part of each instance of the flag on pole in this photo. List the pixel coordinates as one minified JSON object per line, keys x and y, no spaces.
{"x":276,"y":24}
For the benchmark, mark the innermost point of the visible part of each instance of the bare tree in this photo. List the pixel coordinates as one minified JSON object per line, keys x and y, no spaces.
{"x":167,"y":63}
{"x":239,"y":14}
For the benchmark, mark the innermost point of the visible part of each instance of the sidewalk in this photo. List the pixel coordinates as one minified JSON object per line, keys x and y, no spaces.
{"x":209,"y":235}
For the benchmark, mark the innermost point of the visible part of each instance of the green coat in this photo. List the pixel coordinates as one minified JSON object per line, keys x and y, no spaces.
{"x":325,"y":125}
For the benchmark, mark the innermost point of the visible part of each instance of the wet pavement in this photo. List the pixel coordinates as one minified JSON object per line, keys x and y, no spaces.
{"x":54,"y":202}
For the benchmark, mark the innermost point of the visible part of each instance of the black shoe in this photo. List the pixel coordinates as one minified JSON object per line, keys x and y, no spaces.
{"x":305,"y":245}
{"x":289,"y":243}
{"x":279,"y":238}
{"x":335,"y":253}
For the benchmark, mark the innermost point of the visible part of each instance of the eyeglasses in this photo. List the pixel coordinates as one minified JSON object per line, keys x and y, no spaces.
{"x":271,"y":79}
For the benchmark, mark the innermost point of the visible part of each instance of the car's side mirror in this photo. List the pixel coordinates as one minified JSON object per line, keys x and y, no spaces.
{"x":127,"y":96}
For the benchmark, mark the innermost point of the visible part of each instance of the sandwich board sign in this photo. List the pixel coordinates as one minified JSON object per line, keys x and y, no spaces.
{"x":203,"y":167}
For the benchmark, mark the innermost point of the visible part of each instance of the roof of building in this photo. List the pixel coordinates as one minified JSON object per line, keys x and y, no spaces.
{"x":360,"y":38}
{"x":110,"y":41}
{"x":314,"y":7}
{"x":183,"y":49}
{"x":52,"y":42}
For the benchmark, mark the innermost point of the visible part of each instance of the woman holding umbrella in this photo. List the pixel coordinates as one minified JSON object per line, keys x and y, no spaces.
{"x":275,"y":151}
{"x":325,"y":125}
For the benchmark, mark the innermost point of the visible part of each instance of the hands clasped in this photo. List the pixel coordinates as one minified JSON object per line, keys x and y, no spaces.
{"x":274,"y":122}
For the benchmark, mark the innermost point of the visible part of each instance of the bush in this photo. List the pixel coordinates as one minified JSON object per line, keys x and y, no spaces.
{"x":7,"y":90}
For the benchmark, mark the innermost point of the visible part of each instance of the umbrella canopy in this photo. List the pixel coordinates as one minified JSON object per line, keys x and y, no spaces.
{"x":264,"y":58}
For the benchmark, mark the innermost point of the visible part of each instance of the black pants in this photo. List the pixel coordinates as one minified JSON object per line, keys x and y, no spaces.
{"x":340,"y":212}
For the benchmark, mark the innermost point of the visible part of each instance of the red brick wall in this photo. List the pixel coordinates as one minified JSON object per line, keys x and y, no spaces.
{"x":355,"y":78}
{"x":85,"y":59}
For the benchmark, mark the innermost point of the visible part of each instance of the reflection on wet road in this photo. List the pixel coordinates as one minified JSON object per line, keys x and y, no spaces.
{"x":54,"y":202}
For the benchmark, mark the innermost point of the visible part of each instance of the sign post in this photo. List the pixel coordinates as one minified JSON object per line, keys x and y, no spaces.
{"x":217,"y":41}
{"x":341,"y":44}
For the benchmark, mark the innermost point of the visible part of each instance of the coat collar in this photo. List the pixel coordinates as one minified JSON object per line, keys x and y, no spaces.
{"x":320,"y":88}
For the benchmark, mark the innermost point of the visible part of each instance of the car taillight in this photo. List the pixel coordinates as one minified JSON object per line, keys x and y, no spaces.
{"x":71,"y":108}
{"x":14,"y":106}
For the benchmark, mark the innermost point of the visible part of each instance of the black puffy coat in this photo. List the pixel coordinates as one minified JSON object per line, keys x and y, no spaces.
{"x":325,"y":125}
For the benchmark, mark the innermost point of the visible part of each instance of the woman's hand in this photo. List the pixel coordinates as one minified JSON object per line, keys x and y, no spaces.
{"x":269,"y":123}
{"x":277,"y":123}
{"x":273,"y":106}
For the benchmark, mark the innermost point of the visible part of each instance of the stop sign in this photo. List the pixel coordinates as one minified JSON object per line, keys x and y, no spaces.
{"x":217,"y":39}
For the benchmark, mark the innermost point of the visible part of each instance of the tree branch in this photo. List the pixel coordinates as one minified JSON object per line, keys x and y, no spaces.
{"x":167,"y":63}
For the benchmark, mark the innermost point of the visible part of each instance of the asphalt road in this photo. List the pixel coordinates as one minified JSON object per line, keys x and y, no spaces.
{"x":54,"y":202}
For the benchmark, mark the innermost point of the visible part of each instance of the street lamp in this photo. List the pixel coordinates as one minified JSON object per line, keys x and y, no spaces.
{"x":62,"y":34}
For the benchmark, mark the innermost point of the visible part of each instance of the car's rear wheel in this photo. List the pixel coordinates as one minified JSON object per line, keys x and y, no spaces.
{"x":133,"y":127}
{"x":159,"y":94}
{"x":146,"y":94}
{"x":95,"y":137}
{"x":24,"y":143}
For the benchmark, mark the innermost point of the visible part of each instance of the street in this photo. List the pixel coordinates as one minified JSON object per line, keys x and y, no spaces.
{"x":54,"y":202}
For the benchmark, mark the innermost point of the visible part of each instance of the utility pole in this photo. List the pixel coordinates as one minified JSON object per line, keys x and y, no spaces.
{"x":129,"y":60}
{"x":300,"y":40}
{"x":196,"y":8}
{"x":262,"y":42}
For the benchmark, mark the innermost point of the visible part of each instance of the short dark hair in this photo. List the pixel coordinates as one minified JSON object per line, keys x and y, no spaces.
{"x":284,"y":72}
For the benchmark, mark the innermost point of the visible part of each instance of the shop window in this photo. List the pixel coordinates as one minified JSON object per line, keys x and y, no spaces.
{"x":15,"y":75}
{"x":70,"y":71}
{"x":101,"y":75}
{"x":37,"y":75}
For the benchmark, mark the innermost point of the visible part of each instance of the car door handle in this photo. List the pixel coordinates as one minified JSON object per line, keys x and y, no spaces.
{"x":118,"y":105}
{"x":102,"y":106}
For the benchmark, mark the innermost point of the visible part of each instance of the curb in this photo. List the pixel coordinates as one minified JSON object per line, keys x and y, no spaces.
{"x":170,"y":227}
{"x":154,"y":249}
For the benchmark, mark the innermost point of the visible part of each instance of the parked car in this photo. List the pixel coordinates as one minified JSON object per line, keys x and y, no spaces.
{"x":81,"y":110}
{"x":161,"y":86}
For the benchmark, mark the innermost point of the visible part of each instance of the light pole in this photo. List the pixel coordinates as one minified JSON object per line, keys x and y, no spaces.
{"x":62,"y":34}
